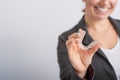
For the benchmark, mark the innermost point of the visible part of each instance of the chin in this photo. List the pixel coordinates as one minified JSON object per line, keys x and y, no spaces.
{"x":101,"y":17}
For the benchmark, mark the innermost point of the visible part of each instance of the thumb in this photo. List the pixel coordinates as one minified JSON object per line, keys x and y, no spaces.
{"x":94,"y":48}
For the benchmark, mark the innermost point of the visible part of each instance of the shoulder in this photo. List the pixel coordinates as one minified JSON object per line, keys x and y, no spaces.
{"x":68,"y":32}
{"x":116,"y":21}
{"x":116,"y":24}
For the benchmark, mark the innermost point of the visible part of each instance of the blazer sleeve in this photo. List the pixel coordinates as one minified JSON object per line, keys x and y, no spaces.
{"x":67,"y":72}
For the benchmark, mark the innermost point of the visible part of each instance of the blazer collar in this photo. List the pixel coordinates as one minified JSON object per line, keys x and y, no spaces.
{"x":116,"y":25}
{"x":88,"y":39}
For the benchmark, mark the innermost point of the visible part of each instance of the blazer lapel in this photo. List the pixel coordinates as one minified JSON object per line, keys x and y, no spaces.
{"x":116,"y":25}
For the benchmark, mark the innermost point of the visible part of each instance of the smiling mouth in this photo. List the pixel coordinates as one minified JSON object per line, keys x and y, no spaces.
{"x":101,"y":9}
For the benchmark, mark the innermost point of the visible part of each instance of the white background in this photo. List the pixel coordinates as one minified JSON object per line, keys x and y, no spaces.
{"x":29,"y":32}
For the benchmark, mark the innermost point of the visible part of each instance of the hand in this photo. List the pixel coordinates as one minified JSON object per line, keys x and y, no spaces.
{"x":80,"y":56}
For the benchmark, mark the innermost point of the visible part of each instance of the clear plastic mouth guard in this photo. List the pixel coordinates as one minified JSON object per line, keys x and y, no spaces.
{"x":93,"y":43}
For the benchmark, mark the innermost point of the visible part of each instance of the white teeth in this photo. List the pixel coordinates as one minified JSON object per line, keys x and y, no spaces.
{"x":102,"y":9}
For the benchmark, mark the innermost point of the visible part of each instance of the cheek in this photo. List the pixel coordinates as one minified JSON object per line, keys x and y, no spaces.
{"x":92,"y":2}
{"x":114,"y":3}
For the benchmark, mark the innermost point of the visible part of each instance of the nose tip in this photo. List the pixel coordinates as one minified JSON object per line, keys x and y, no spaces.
{"x":104,"y":2}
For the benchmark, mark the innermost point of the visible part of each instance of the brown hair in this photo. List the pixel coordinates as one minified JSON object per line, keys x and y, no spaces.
{"x":84,"y":10}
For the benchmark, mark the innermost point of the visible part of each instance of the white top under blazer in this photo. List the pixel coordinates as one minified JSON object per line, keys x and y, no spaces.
{"x":113,"y":56}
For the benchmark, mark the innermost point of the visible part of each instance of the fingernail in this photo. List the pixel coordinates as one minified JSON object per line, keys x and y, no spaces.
{"x":77,"y":34}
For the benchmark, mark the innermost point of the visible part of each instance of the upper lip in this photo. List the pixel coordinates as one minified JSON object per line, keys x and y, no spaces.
{"x":102,"y":7}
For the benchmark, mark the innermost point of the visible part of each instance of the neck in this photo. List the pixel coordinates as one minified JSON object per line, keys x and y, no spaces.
{"x":97,"y":25}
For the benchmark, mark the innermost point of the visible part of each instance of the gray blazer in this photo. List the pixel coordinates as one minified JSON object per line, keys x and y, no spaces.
{"x":100,"y":68}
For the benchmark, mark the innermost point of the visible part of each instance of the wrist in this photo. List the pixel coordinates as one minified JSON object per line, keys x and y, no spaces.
{"x":81,"y":74}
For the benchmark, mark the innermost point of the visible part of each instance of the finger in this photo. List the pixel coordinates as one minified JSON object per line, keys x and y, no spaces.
{"x":67,"y":43}
{"x":72,"y":47}
{"x":72,"y":43}
{"x":78,"y":37}
{"x":74,"y":35}
{"x":80,"y":34}
{"x":93,"y":43}
{"x":83,"y":47}
{"x":92,"y":50}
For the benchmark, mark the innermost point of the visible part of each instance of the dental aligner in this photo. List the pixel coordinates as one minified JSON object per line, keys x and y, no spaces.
{"x":90,"y":45}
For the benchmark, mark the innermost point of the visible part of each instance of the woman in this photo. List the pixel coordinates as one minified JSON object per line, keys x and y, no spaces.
{"x":90,"y":50}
